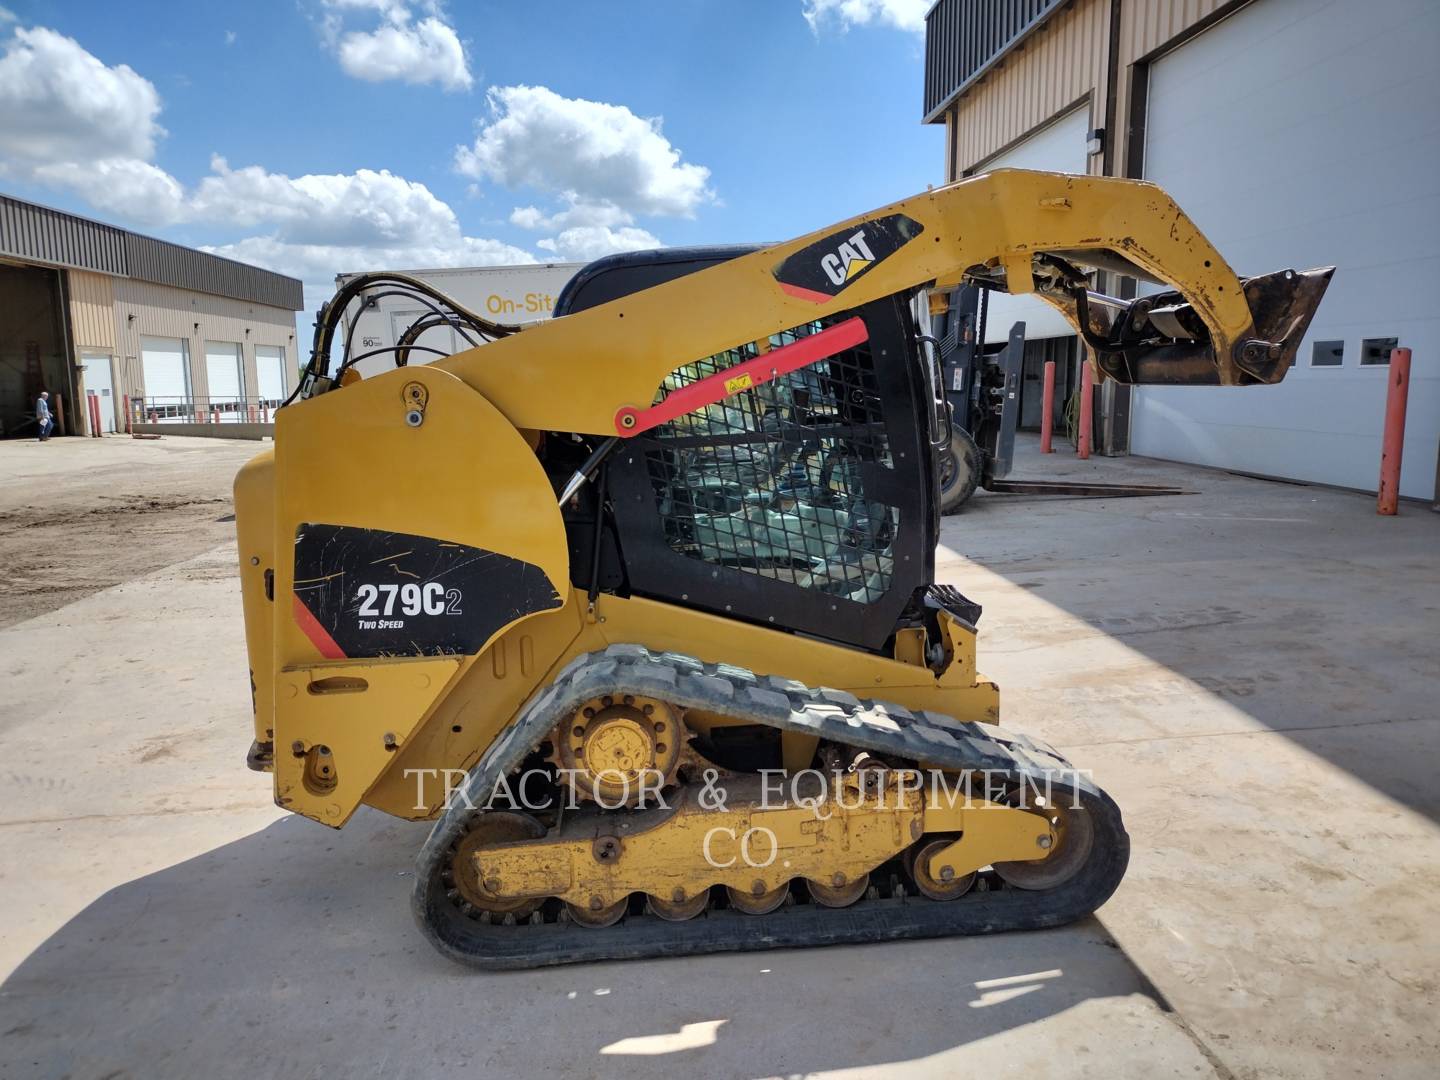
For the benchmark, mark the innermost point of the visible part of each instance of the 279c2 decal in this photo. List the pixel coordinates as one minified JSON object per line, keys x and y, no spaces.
{"x":431,"y":598}
{"x":371,"y":592}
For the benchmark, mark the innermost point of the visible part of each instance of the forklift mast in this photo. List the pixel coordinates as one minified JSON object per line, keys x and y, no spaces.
{"x":982,"y":385}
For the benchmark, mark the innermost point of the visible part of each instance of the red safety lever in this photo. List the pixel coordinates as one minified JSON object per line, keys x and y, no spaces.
{"x":743,"y":376}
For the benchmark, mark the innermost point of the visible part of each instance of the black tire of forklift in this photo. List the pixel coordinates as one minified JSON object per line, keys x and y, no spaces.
{"x":960,"y":467}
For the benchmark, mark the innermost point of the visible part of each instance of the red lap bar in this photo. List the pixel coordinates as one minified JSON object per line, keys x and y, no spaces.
{"x":743,"y":376}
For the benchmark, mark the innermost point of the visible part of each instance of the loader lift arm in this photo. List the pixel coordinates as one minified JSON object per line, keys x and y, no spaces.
{"x":1021,"y":231}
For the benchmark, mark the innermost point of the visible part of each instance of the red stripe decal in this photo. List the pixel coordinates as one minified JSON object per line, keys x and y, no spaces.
{"x":802,"y":293}
{"x":744,"y":376}
{"x":317,"y":634}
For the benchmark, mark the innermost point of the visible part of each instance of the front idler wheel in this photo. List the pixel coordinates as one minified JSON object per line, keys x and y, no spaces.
{"x":1074,"y":840}
{"x":467,"y":891}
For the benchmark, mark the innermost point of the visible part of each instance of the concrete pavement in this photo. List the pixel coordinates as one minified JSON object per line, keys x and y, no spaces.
{"x":1247,"y":670}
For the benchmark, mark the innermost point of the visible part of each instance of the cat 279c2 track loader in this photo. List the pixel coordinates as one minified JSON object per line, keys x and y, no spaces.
{"x":640,"y":603}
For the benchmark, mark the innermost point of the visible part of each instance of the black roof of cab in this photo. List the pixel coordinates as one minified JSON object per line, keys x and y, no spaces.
{"x":615,"y":276}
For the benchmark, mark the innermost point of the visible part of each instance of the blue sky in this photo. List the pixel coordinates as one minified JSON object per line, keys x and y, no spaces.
{"x":508,"y":130}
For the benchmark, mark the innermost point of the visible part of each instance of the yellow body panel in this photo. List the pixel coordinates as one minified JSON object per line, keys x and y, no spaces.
{"x":354,"y":458}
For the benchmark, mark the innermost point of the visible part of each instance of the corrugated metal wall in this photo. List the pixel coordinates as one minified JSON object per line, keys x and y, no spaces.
{"x":171,"y":264}
{"x":92,"y":310}
{"x":39,"y":234}
{"x":161,"y":311}
{"x":1146,"y":25}
{"x":963,"y":36}
{"x":1056,"y":67}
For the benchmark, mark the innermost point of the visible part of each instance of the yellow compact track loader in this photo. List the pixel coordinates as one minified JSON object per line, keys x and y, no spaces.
{"x":639,"y":604}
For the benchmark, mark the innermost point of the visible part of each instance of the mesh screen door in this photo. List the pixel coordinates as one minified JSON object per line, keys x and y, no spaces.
{"x":784,"y":502}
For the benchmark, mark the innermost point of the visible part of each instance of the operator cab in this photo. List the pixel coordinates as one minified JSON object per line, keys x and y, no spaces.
{"x":807,"y":502}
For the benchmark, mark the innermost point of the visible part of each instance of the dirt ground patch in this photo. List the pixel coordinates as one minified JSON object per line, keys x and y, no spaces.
{"x":80,"y":515}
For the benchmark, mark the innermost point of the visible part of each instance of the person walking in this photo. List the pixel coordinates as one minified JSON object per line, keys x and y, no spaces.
{"x":42,"y":415}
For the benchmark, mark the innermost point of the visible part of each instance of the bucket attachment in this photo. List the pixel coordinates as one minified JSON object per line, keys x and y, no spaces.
{"x":1161,"y":339}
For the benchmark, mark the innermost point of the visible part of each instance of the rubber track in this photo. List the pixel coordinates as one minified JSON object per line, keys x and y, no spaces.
{"x":789,"y":705}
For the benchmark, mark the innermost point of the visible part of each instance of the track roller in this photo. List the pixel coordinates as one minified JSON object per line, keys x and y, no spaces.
{"x":597,"y":916}
{"x":679,"y":907}
{"x":758,"y":901}
{"x":917,"y":863}
{"x":840,"y":892}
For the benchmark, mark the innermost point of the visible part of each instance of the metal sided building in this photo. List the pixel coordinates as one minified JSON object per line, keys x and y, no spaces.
{"x":1295,"y":132}
{"x":89,"y":309}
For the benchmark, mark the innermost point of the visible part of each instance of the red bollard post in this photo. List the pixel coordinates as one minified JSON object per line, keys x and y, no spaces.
{"x":1047,"y":409}
{"x":129,"y":415}
{"x":92,"y":401}
{"x":1087,"y":407}
{"x":1388,"y":498}
{"x":264,"y":414}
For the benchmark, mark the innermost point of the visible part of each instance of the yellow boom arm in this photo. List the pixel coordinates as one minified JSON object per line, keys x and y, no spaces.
{"x":1022,"y":231}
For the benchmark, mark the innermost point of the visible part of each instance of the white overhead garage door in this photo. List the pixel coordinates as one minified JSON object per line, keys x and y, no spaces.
{"x":165,"y":363}
{"x":225,"y":375}
{"x":270,"y":373}
{"x":1059,"y":147}
{"x":1300,"y":134}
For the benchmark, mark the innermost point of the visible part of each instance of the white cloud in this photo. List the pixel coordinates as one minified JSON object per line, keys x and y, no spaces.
{"x":69,"y":121}
{"x":6,"y":16}
{"x":317,"y":264}
{"x":528,"y":217}
{"x":230,"y":37}
{"x":136,"y":190}
{"x":58,"y":103}
{"x":586,"y":242}
{"x":392,"y":10}
{"x":342,"y":208}
{"x":321,"y":225}
{"x":577,"y":213}
{"x":419,"y":52}
{"x":588,"y":152}
{"x":900,"y":14}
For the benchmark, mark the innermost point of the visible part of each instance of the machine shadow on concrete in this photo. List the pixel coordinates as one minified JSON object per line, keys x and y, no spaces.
{"x":291,"y":952}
